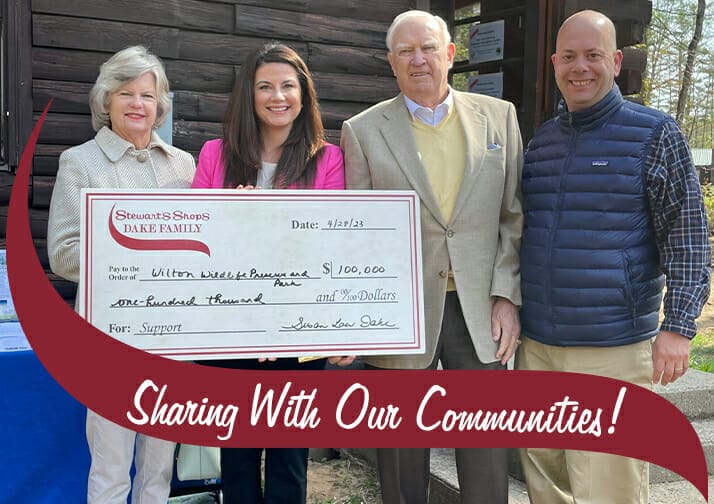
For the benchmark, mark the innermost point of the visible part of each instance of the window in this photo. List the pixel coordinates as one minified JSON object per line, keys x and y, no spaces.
{"x":464,"y":17}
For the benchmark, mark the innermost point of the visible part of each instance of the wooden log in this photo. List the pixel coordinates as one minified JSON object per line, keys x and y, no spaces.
{"x":344,"y":59}
{"x":41,"y":249}
{"x":208,"y":107}
{"x":211,"y":107}
{"x":263,"y":22}
{"x":66,"y":289}
{"x":66,"y":65}
{"x":335,"y":112}
{"x":200,"y":76}
{"x":110,"y":36}
{"x":38,"y":222}
{"x":45,"y":166}
{"x":630,"y":32}
{"x":189,"y":14}
{"x":83,"y":66}
{"x":635,"y":10}
{"x":68,"y":129}
{"x":333,"y":136}
{"x":490,"y":6}
{"x":384,"y":10}
{"x":45,"y":160}
{"x":50,"y":149}
{"x":354,"y":88}
{"x":41,"y":193}
{"x":629,"y":81}
{"x":634,"y":62}
{"x":169,"y":43}
{"x":70,"y":97}
{"x":7,"y":179}
{"x":228,"y":48}
{"x":191,"y":135}
{"x":634,"y":59}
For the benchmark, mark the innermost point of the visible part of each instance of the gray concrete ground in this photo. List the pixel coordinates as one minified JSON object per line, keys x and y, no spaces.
{"x":678,"y":492}
{"x":443,"y":468}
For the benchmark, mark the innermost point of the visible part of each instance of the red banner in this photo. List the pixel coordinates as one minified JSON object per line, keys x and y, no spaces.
{"x":204,"y":405}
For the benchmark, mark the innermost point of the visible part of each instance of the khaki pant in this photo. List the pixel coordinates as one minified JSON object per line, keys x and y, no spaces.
{"x":113,"y":449}
{"x":482,"y":472}
{"x":583,"y":477}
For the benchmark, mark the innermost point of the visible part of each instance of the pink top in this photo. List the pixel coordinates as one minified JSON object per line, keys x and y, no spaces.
{"x":330,"y":173}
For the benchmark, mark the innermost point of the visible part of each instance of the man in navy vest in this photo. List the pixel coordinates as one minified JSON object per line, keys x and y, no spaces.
{"x":613,"y":211}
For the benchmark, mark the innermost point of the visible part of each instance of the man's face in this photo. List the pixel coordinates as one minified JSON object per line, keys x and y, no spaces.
{"x":586,"y":62}
{"x":420,"y":60}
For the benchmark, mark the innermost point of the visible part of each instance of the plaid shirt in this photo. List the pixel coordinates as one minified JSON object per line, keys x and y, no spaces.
{"x":680,"y":225}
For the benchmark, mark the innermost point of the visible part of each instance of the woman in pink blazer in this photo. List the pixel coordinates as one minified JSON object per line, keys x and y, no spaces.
{"x":272,"y":138}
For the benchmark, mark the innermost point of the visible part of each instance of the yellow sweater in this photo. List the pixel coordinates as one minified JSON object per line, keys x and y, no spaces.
{"x":442,"y":150}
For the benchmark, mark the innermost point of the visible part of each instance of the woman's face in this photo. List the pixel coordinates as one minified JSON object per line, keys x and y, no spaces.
{"x":132,"y":110}
{"x":278,"y":97}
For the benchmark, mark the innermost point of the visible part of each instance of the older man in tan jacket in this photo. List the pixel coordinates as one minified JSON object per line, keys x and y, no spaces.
{"x":462,"y":154}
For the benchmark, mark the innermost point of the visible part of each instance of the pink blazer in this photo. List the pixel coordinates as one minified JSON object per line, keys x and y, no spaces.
{"x":210,"y":170}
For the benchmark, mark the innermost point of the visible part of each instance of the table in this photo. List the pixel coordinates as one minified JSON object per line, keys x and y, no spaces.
{"x":44,"y":456}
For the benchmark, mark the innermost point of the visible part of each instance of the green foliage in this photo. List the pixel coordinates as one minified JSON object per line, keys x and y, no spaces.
{"x":701,"y":356}
{"x":459,"y":80}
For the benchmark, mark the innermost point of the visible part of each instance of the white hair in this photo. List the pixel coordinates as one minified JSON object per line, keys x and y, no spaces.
{"x":411,"y":14}
{"x":125,"y":66}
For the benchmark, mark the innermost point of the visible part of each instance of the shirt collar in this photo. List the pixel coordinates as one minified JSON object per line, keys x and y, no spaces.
{"x":427,"y":115}
{"x":593,"y":116}
{"x":114,"y":146}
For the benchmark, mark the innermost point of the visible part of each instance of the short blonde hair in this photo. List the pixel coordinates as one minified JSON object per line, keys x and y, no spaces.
{"x":125,"y":66}
{"x":410,"y":14}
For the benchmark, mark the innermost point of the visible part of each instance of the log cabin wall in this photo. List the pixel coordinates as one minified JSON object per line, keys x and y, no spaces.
{"x":202,"y":44}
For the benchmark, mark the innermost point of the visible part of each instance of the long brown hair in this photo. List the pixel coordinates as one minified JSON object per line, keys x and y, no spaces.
{"x":242,"y":141}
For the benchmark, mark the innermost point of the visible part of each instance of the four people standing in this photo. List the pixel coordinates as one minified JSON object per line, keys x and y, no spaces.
{"x":612,"y":207}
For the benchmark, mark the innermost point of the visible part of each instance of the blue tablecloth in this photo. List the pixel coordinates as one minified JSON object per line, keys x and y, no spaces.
{"x":44,"y":456}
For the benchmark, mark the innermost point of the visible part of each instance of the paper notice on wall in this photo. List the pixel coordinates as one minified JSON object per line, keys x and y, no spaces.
{"x":12,"y":338}
{"x":488,"y":84}
{"x":486,"y":42}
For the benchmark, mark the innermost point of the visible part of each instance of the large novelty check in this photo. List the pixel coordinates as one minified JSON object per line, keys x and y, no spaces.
{"x":199,"y":274}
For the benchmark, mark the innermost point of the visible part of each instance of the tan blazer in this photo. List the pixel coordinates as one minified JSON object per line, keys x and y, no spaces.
{"x":482,"y":241}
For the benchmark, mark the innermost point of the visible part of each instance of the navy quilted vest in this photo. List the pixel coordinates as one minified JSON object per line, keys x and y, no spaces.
{"x":589,"y":263}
